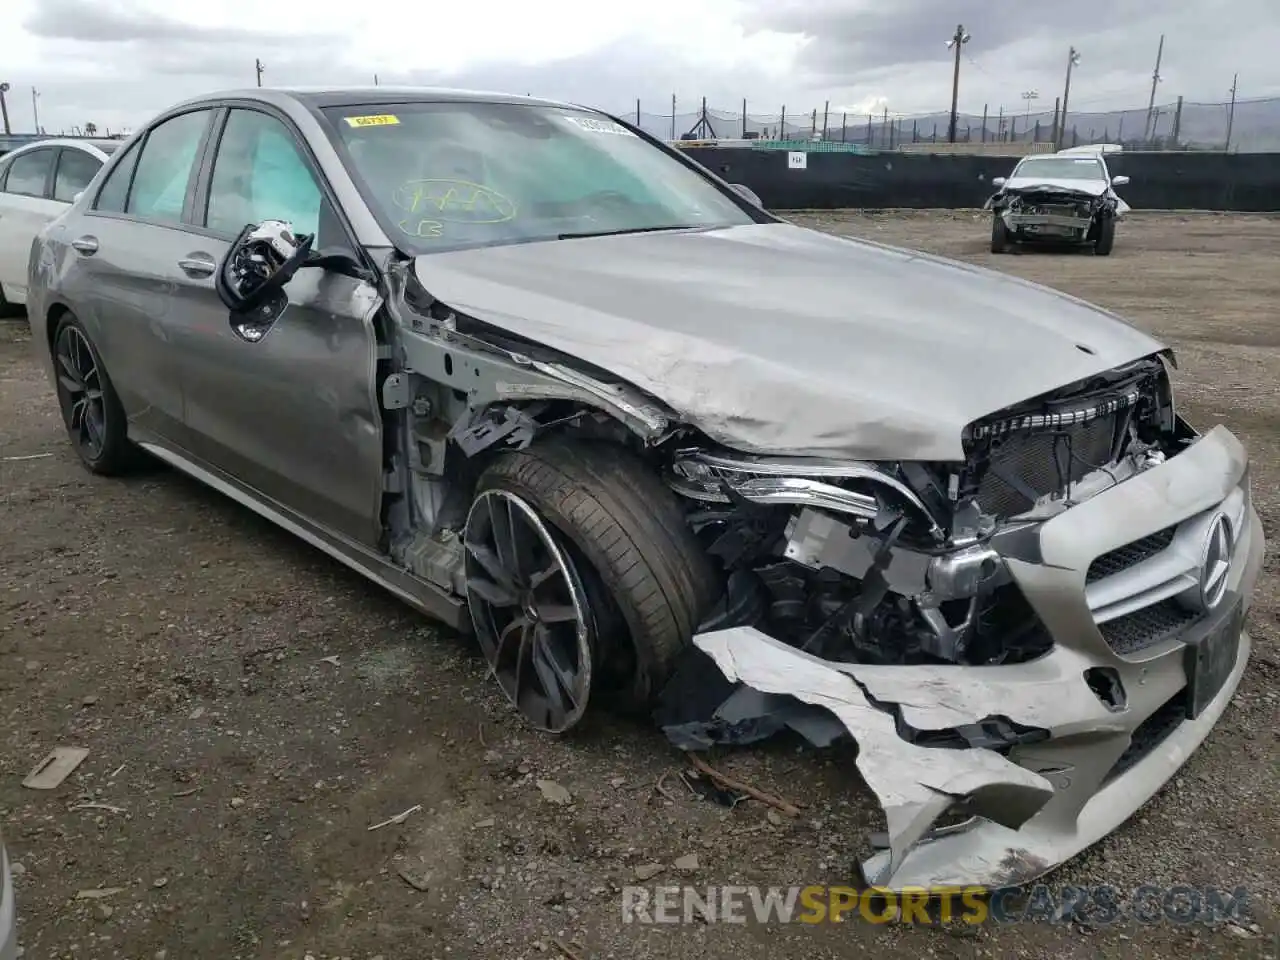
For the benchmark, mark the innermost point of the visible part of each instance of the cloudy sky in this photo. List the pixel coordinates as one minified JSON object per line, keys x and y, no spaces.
{"x":116,"y":62}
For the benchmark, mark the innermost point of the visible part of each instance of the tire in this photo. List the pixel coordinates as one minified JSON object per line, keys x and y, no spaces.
{"x":999,"y":235}
{"x":1106,"y":238}
{"x":642,"y":569}
{"x":8,"y":309}
{"x":112,"y":453}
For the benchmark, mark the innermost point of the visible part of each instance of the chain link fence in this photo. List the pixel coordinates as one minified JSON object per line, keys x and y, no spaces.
{"x":1252,"y":126}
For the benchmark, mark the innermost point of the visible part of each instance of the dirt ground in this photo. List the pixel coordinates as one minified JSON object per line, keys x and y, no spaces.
{"x":186,"y":644}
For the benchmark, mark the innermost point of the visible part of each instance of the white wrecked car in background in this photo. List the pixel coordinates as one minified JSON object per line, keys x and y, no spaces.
{"x":1063,"y":197}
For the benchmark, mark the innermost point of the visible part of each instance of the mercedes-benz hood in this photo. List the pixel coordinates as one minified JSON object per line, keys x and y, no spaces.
{"x":772,"y":338}
{"x":1092,"y":188}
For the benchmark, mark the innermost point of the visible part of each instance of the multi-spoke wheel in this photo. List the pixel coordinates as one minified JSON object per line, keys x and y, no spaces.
{"x":80,"y":392}
{"x":90,"y":408}
{"x":528,"y":608}
{"x":583,"y":578}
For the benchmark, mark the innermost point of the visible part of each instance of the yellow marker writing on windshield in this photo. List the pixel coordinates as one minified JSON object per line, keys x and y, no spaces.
{"x":378,"y":120}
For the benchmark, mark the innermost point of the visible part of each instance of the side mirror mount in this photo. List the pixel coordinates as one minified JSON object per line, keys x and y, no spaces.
{"x":76,"y":198}
{"x":251,"y":278}
{"x":742,"y":190}
{"x":999,"y":181}
{"x":1119,"y":181}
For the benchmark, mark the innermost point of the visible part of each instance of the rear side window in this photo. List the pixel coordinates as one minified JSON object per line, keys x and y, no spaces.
{"x":115,"y":191}
{"x":75,"y":169}
{"x":164,"y":169}
{"x":29,"y":172}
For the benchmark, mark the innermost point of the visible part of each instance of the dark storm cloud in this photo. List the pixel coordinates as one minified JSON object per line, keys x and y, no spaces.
{"x":106,"y":22}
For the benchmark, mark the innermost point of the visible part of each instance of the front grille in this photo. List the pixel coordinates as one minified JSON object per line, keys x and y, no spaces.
{"x":1027,"y":465}
{"x":1147,"y":627}
{"x":1129,"y":555}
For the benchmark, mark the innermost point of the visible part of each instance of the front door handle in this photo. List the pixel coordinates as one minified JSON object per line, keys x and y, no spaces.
{"x":198,"y":265}
{"x":86,"y":245}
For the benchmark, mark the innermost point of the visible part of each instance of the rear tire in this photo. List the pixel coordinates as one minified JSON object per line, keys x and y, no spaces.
{"x":91,"y":409}
{"x":1106,"y":238}
{"x":646,"y":581}
{"x":999,"y":235}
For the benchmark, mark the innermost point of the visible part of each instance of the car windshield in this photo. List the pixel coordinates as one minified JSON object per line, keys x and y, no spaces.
{"x":442,"y":176}
{"x":1061,"y":168}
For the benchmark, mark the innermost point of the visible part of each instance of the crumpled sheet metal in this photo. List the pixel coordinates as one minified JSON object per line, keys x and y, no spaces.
{"x":915,"y":785}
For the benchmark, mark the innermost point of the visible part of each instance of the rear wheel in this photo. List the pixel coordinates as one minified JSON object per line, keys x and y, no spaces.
{"x":999,"y":235}
{"x":1106,"y":238}
{"x":582,"y":579}
{"x":91,"y":410}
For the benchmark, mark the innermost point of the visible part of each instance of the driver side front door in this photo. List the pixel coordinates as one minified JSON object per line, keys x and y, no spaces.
{"x":293,"y":416}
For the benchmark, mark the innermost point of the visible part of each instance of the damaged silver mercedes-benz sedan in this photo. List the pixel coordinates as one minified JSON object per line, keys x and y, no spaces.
{"x":553,"y":383}
{"x":1065,"y":197}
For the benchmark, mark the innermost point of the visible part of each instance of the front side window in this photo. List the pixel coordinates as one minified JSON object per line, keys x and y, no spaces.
{"x":258,"y":174}
{"x":442,"y":176}
{"x":29,"y":172}
{"x":75,"y":169}
{"x":160,"y":182}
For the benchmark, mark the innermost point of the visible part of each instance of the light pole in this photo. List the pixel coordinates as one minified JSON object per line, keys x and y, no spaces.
{"x":4,"y":107}
{"x":1029,"y":95}
{"x":1073,"y":59}
{"x":958,"y":40}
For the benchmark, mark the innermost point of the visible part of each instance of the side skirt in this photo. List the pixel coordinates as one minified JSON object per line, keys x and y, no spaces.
{"x":419,"y":594}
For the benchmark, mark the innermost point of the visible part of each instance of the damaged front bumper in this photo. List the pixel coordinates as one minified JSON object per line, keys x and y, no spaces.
{"x":1139,"y":672}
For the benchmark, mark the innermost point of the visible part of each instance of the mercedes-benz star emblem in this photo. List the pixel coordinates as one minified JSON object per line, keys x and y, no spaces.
{"x":1216,"y":562}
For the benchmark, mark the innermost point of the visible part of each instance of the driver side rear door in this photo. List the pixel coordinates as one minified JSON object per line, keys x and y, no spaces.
{"x":293,"y":416}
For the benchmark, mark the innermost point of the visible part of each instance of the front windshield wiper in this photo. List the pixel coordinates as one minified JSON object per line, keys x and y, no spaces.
{"x":617,"y":233}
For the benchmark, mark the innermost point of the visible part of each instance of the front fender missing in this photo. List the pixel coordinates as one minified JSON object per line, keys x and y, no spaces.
{"x":915,"y":785}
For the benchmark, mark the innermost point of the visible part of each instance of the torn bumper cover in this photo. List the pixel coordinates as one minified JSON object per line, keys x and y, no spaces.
{"x":1040,"y":759}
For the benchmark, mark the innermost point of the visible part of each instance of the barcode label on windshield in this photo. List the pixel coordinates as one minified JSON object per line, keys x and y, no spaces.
{"x":596,"y":125}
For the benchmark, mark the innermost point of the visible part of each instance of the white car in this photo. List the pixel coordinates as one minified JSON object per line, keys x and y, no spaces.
{"x":8,"y":919}
{"x":1067,"y":196}
{"x":37,"y":182}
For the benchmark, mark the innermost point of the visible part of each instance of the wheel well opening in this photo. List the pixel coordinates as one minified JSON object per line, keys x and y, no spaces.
{"x":55,"y":315}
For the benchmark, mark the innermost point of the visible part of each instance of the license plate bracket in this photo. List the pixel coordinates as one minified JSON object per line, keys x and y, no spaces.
{"x":1211,"y":659}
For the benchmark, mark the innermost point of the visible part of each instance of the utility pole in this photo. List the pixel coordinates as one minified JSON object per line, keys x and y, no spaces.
{"x":375,"y":80}
{"x":673,"y":116}
{"x":1231,"y":113}
{"x":958,"y":40}
{"x":35,"y":109}
{"x":1155,"y":79}
{"x":1029,"y":95}
{"x":1073,"y":58}
{"x":257,"y":65}
{"x":4,"y":107}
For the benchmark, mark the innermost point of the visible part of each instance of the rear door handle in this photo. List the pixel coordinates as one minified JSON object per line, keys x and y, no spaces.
{"x":86,"y":245}
{"x":198,"y":265}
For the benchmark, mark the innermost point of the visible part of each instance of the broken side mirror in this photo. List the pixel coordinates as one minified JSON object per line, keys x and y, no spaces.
{"x":999,"y":181}
{"x":746,"y":193}
{"x":1119,"y":181}
{"x":251,"y":278}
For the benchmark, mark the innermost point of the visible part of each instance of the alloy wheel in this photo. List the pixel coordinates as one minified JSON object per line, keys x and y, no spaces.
{"x":529,"y":611}
{"x":80,"y":392}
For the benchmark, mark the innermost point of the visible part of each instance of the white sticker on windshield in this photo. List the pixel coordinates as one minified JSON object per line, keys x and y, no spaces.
{"x":597,"y":125}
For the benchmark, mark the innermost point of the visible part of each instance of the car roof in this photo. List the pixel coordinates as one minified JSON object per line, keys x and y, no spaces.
{"x":320,"y":97}
{"x":99,"y":146}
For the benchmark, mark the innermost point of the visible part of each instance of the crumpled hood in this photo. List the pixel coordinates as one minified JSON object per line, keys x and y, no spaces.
{"x":1093,"y":188}
{"x":773,"y":338}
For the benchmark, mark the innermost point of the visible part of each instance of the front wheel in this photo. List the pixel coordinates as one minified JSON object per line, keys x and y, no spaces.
{"x":999,"y":235}
{"x":583,"y":579}
{"x":1106,"y":238}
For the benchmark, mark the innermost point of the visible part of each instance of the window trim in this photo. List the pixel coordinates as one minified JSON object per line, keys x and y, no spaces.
{"x":48,"y":174}
{"x":141,"y":145}
{"x":57,"y":164}
{"x":200,"y":199}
